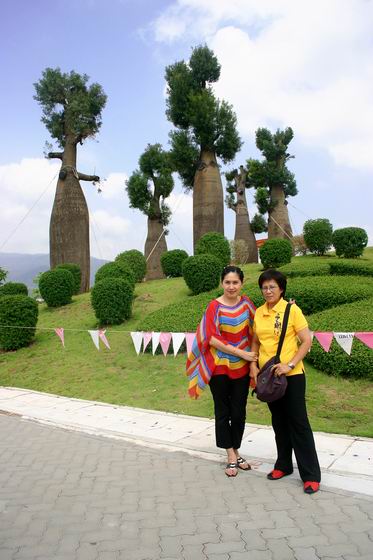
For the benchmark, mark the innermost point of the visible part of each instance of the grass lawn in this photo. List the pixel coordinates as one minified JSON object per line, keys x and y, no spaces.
{"x":118,"y":376}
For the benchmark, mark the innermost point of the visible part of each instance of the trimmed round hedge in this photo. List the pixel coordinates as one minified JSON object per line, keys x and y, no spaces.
{"x":111,"y":300}
{"x":318,"y":235}
{"x":275,"y":253}
{"x":352,"y":317}
{"x":56,"y":287}
{"x":172,"y":262}
{"x":117,"y":269}
{"x":136,"y":261}
{"x":13,"y":289}
{"x":76,"y":272}
{"x":21,"y":311}
{"x":215,"y":244}
{"x":350,"y":242}
{"x":202,"y":273}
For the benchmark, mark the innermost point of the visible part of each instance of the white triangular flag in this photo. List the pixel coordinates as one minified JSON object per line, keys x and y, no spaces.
{"x":155,"y":341}
{"x":94,"y":336}
{"x":137,"y":340}
{"x":345,"y":340}
{"x":177,"y":340}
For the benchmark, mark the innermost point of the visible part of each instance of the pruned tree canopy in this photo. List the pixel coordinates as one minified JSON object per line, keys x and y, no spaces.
{"x":204,"y":123}
{"x":152,"y":183}
{"x":272,"y":171}
{"x":70,"y":107}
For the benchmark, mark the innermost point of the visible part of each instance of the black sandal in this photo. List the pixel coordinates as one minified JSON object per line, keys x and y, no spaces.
{"x":241,"y":461}
{"x":231,"y":466}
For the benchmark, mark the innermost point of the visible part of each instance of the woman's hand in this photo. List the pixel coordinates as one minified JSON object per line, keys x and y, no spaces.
{"x":249,"y":356}
{"x":281,"y":369}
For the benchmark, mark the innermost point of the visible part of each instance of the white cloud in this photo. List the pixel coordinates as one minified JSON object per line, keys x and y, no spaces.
{"x":114,"y":186}
{"x":287,"y":63}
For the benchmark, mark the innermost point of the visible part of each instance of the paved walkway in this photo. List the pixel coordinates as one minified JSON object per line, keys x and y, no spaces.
{"x":346,"y":462}
{"x":68,"y":495}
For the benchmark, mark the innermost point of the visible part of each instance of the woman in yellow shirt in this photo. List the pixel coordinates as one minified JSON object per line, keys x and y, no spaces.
{"x":289,"y":414}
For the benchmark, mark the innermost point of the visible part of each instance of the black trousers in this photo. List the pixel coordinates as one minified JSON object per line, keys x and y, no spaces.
{"x":230,"y":398}
{"x":293,"y":431}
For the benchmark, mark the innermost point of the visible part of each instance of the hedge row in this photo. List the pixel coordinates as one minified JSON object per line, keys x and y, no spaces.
{"x":322,"y":266}
{"x":306,"y":268}
{"x":352,"y":317}
{"x":360,"y":268}
{"x":313,"y":295}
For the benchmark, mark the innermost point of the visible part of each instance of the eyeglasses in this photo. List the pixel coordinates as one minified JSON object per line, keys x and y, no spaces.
{"x":269,"y":288}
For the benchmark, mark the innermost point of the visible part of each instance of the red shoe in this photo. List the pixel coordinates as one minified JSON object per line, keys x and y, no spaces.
{"x":310,"y":487}
{"x":276,"y":474}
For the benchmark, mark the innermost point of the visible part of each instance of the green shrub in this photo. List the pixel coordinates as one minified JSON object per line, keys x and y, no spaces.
{"x":352,"y":317}
{"x":111,"y":300}
{"x":76,"y":272}
{"x":172,"y":261}
{"x":215,"y":244}
{"x":136,"y":261}
{"x":3,"y":275}
{"x":318,"y":235}
{"x":355,"y":267}
{"x":350,"y":242}
{"x":275,"y":253}
{"x":17,"y":310}
{"x":202,"y":273}
{"x":13,"y":289}
{"x":305,"y":268}
{"x":117,"y":269}
{"x":56,"y":287}
{"x":183,"y":316}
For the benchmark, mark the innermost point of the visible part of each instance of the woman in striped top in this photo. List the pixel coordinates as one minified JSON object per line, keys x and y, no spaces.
{"x":220,"y":356}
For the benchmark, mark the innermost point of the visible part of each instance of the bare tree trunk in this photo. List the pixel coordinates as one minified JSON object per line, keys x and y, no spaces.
{"x":278,"y":216}
{"x":243,"y":228}
{"x":69,"y":224}
{"x":208,"y":200}
{"x":155,"y":245}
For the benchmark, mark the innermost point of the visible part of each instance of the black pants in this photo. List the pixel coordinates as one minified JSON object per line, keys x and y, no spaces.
{"x":230,"y":398}
{"x":293,"y":431}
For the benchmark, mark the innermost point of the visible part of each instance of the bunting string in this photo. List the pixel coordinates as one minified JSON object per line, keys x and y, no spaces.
{"x":164,"y":339}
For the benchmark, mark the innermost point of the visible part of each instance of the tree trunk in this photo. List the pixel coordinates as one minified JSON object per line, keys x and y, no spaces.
{"x":69,"y":224}
{"x":155,"y":245}
{"x":243,"y":227}
{"x":208,"y":200}
{"x":278,"y":216}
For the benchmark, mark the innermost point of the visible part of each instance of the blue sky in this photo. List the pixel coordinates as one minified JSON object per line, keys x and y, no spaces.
{"x":284,"y":63}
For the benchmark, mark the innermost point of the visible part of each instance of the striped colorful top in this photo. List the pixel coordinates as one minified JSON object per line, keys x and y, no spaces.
{"x":230,"y":325}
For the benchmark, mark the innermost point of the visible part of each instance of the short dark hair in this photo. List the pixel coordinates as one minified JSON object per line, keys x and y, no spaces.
{"x":277,"y":276}
{"x":232,"y":268}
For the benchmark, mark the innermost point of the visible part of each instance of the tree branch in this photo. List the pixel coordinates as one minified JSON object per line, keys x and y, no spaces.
{"x":84,"y":177}
{"x":55,"y":155}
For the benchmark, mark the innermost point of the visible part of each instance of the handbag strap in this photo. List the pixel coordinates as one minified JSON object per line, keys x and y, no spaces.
{"x":283,"y":331}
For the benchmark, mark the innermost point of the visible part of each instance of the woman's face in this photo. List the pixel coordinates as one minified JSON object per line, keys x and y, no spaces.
{"x":271,"y":291}
{"x":232,"y":285}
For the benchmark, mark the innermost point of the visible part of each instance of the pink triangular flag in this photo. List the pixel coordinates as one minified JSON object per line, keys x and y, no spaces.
{"x":146,"y":339}
{"x":189,"y":337}
{"x":165,"y":340}
{"x":95,"y":339}
{"x":325,"y":339}
{"x":59,"y":333}
{"x":101,"y":334}
{"x":366,"y":338}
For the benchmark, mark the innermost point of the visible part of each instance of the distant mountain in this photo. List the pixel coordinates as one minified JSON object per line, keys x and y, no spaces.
{"x":24,"y":268}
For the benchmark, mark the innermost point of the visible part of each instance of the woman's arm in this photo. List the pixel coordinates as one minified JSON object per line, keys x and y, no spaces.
{"x":254,"y":368}
{"x":305,"y":344}
{"x":233,"y":350}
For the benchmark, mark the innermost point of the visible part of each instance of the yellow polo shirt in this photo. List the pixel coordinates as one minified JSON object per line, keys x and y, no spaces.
{"x":267,"y":326}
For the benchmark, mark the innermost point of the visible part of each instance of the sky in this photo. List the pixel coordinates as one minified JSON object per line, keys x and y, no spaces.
{"x":308,"y":65}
